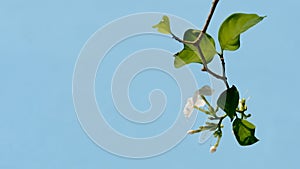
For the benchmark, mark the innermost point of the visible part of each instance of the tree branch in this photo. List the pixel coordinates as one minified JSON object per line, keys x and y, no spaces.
{"x":181,"y":40}
{"x":212,"y":10}
{"x":207,"y":22}
{"x":224,"y":69}
{"x":204,"y":62}
{"x":197,"y":41}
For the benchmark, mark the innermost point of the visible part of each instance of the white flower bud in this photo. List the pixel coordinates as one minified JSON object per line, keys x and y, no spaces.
{"x":190,"y":132}
{"x":213,"y":149}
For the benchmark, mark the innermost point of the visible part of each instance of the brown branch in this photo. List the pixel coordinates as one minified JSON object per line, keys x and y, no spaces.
{"x":212,"y":11}
{"x":197,"y":41}
{"x":181,"y":40}
{"x":207,"y":22}
{"x":224,"y":69}
{"x":204,"y":62}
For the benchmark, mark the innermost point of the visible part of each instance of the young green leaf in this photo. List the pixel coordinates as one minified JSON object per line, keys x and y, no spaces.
{"x":190,"y":54}
{"x":228,"y":101}
{"x":163,"y":26}
{"x":233,"y":26}
{"x":244,"y":132}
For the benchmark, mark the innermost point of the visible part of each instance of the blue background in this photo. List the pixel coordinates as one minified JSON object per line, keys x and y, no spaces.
{"x":40,"y":42}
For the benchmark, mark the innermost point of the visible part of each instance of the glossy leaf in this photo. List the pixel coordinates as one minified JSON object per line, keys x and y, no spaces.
{"x":228,"y":101}
{"x":233,"y":26}
{"x":163,"y":26}
{"x":244,"y":132}
{"x":190,"y":54}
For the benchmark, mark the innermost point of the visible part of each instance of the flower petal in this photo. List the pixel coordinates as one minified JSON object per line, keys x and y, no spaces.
{"x":188,"y":108}
{"x":200,"y":103}
{"x":206,"y":91}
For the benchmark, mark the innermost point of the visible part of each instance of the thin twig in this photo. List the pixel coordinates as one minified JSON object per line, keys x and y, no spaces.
{"x":207,"y":22}
{"x":224,"y":69}
{"x":220,"y":122}
{"x":204,"y":62}
{"x":197,"y":41}
{"x":181,"y":40}
{"x":213,"y":8}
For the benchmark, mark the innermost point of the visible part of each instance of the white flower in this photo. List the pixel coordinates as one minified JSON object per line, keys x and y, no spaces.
{"x":200,"y":103}
{"x":213,"y":149}
{"x":189,"y":106}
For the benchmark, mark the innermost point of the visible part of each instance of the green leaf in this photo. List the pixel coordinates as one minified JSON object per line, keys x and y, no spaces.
{"x":190,"y":54}
{"x":244,"y":132}
{"x":233,"y":26}
{"x":228,"y":101}
{"x":163,"y":26}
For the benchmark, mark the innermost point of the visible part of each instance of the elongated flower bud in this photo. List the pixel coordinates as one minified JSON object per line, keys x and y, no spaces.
{"x":191,"y":132}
